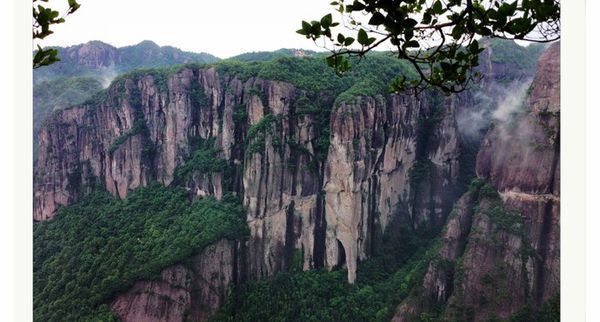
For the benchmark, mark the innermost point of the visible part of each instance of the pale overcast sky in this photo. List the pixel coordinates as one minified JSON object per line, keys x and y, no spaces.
{"x":222,"y":28}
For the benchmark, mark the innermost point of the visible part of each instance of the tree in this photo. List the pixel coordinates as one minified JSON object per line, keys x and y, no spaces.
{"x":43,"y":19}
{"x":438,"y":37}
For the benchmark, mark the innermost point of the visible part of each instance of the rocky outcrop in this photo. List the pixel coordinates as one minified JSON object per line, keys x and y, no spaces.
{"x":184,"y":292}
{"x":501,"y":248}
{"x":331,"y":206}
{"x":318,"y":190}
{"x":387,"y":158}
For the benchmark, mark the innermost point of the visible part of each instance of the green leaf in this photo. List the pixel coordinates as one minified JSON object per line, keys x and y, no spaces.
{"x":363,"y":38}
{"x":409,"y":23}
{"x":341,"y":38}
{"x":355,"y":6}
{"x":377,"y":19}
{"x":408,"y":34}
{"x":305,"y":25}
{"x":437,"y":7}
{"x":349,"y":41}
{"x":426,"y":18}
{"x":412,"y":44}
{"x":326,"y":20}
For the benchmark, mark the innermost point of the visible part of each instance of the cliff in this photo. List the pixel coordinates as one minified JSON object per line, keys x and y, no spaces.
{"x":322,"y":180}
{"x":328,"y":207}
{"x":499,"y":254}
{"x":183,"y":292}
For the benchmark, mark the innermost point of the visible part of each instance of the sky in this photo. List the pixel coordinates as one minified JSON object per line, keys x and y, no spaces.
{"x":222,"y":28}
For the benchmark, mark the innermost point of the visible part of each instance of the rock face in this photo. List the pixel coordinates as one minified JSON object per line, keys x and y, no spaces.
{"x":375,"y":143}
{"x":331,"y":209}
{"x":319,"y":193}
{"x":184,"y":292}
{"x":501,"y":247}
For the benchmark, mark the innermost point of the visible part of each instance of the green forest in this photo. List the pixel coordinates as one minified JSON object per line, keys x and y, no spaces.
{"x":101,"y":245}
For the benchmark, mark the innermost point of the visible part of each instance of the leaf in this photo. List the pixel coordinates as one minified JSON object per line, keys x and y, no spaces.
{"x":349,"y":41}
{"x":426,"y":18}
{"x":326,"y":20}
{"x":437,"y":7}
{"x":355,"y":6}
{"x":362,"y":37}
{"x":305,"y":25}
{"x":377,"y":19}
{"x":412,"y":44}
{"x":408,"y":34}
{"x":458,"y":31}
{"x":409,"y":23}
{"x":484,"y":31}
{"x":341,"y":38}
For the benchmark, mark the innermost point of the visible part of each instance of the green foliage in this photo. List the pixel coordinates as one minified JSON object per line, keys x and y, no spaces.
{"x":147,"y":54}
{"x":101,"y":245}
{"x":370,"y":77}
{"x":438,"y":39}
{"x":260,"y":94}
{"x":319,"y":112}
{"x":139,"y":127}
{"x":143,"y":55}
{"x":516,"y":62}
{"x":43,"y":19}
{"x":488,"y":191}
{"x":475,"y":185}
{"x":256,"y":135}
{"x":502,"y":219}
{"x":505,"y":220}
{"x":197,"y":96}
{"x":204,"y":160}
{"x":270,"y":55}
{"x":243,"y":71}
{"x":317,"y":295}
{"x":547,"y":312}
{"x":550,"y":311}
{"x":240,"y":116}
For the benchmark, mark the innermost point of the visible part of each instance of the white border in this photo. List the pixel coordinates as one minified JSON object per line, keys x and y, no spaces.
{"x":15,"y":118}
{"x":592,"y":160}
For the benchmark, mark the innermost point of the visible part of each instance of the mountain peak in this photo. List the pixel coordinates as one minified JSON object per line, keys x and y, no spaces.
{"x":148,"y":43}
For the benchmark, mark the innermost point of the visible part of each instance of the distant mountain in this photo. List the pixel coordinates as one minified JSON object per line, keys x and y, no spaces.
{"x":269,"y":55}
{"x":99,"y":59}
{"x":85,"y":69}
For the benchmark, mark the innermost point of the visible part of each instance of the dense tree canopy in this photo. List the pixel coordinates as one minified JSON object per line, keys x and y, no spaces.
{"x":438,"y":37}
{"x":101,"y":245}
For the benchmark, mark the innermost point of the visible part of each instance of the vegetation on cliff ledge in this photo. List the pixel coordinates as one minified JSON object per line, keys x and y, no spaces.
{"x":100,"y":246}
